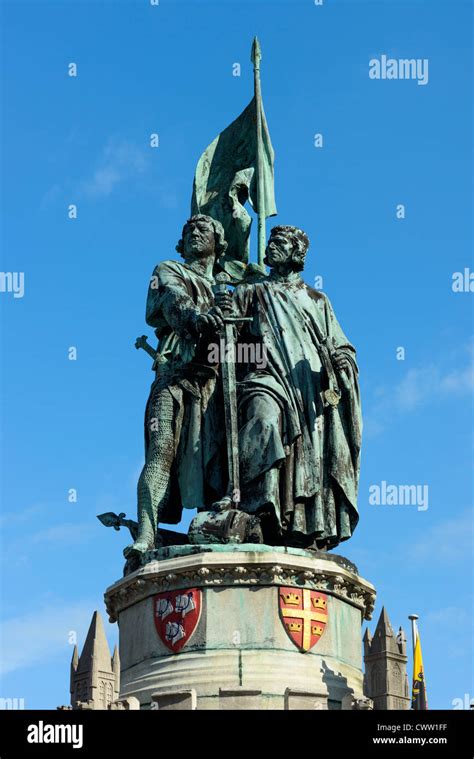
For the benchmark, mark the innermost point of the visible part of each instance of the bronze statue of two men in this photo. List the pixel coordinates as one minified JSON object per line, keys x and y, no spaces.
{"x":298,"y":412}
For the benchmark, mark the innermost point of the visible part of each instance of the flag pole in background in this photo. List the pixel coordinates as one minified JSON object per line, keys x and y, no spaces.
{"x":414,"y":630}
{"x":419,"y":701}
{"x":256,"y":57}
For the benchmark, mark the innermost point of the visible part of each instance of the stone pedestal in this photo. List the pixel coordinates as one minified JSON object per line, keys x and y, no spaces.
{"x":241,"y":653}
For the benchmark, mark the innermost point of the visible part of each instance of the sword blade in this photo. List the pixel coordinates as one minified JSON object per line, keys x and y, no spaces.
{"x":229,"y":387}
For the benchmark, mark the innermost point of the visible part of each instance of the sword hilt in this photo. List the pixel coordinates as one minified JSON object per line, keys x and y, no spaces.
{"x":222,"y":280}
{"x":141,"y":342}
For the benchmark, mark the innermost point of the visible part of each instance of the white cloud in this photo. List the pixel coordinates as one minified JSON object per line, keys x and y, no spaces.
{"x":459,"y":382}
{"x":17,"y":551}
{"x":43,"y":634}
{"x":456,"y":615}
{"x":50,"y":196}
{"x":416,"y":387}
{"x":119,"y":162}
{"x":103,"y":181}
{"x":13,"y":518}
{"x":428,"y":383}
{"x":450,"y":630}
{"x":419,"y":386}
{"x":68,"y":532}
{"x":450,"y":540}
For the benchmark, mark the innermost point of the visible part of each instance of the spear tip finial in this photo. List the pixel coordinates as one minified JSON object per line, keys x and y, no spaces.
{"x":256,"y":54}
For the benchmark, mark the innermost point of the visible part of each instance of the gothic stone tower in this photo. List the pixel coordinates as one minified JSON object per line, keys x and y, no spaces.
{"x":95,"y":675}
{"x":385,"y":658}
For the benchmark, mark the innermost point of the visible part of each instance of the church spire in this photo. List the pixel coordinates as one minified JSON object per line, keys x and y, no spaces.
{"x":95,"y":675}
{"x":384,"y":637}
{"x":96,"y":651}
{"x":385,"y":679}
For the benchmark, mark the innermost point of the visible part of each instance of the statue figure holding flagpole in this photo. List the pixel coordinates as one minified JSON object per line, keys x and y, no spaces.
{"x":183,"y":440}
{"x":284,"y":467}
{"x":299,"y":418}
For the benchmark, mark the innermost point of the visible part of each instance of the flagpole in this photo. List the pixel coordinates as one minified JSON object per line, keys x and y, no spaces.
{"x":256,"y":57}
{"x":414,"y":629}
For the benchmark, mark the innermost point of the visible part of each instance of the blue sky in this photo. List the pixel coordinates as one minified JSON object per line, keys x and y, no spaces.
{"x":85,"y":141}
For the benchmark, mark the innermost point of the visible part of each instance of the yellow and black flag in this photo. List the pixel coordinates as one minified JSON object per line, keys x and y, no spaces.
{"x":419,"y":700}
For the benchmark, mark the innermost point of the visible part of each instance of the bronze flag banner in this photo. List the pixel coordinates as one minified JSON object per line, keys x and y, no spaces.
{"x":230,"y":171}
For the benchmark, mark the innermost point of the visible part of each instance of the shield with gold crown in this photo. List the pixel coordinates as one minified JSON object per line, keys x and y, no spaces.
{"x":304,"y":614}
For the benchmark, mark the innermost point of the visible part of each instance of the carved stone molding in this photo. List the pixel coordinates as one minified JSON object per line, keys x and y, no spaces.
{"x":241,"y":568}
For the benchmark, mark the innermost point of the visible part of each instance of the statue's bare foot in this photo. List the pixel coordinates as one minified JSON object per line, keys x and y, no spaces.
{"x":225,"y":504}
{"x":136,"y":549}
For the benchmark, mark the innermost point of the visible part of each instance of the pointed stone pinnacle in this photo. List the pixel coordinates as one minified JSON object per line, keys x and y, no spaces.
{"x":367,"y":641}
{"x":96,"y":650}
{"x":115,"y":660}
{"x":384,"y":637}
{"x":75,"y":658}
{"x":384,"y":625}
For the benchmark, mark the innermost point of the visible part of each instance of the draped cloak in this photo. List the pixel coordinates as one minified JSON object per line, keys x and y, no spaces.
{"x":299,"y":457}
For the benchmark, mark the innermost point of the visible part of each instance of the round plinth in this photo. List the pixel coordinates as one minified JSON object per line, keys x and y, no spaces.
{"x":246,"y":627}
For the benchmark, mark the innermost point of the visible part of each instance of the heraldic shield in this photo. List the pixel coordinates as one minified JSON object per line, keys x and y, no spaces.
{"x":176,"y":614}
{"x":304,"y":615}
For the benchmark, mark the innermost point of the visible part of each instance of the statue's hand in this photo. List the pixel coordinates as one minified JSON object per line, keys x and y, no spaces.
{"x":213,"y":321}
{"x":224,"y":301}
{"x":341,"y":362}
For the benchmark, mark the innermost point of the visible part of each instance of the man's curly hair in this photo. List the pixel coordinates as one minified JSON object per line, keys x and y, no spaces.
{"x":221,"y":245}
{"x":300,"y":241}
